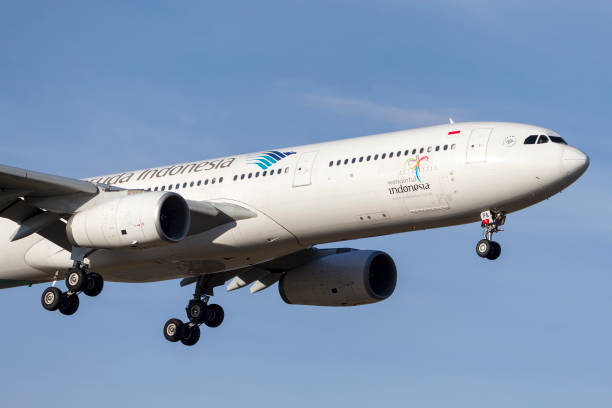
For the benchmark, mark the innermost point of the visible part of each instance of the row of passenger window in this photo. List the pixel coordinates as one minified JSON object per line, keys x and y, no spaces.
{"x":262,"y":174}
{"x":214,"y":180}
{"x":395,"y":154}
{"x":170,"y":187}
{"x":535,"y":139}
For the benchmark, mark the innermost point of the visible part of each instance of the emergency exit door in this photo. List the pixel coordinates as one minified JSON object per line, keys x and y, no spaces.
{"x":477,"y":145}
{"x":303,"y":169}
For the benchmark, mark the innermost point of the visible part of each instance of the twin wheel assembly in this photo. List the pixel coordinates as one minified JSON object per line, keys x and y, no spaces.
{"x":198,"y":312}
{"x":491,"y":222}
{"x":77,"y":280}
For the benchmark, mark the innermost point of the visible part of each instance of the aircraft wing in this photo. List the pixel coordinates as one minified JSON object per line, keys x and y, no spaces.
{"x":259,"y":276}
{"x":41,"y":203}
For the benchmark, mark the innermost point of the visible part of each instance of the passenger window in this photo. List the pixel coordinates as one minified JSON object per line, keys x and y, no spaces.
{"x":390,"y":155}
{"x":375,"y":157}
{"x":213,"y":181}
{"x":286,"y":169}
{"x":272,"y":172}
{"x":338,"y":162}
{"x":242,"y":177}
{"x":235,"y":177}
{"x":250,"y":175}
{"x":163,"y":188}
{"x":264,"y":173}
{"x":368,"y":159}
{"x":399,"y":154}
{"x":345,"y":161}
{"x":199,"y":182}
{"x":453,"y":146}
{"x":331,"y":163}
{"x":429,"y":149}
{"x":184,"y":185}
{"x":220,"y":179}
{"x":353,"y":161}
{"x":413,"y":151}
{"x":360,"y":159}
{"x":155,"y":189}
{"x":543,"y":139}
{"x":257,"y":174}
{"x":445,"y":147}
{"x":531,"y":139}
{"x":206,"y":182}
{"x":191,"y":184}
{"x":421,"y":150}
{"x":383,"y":156}
{"x":170,"y":187}
{"x":177,"y":186}
{"x":437,"y":148}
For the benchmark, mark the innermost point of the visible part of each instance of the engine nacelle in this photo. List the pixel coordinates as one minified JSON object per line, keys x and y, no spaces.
{"x":345,"y":279}
{"x":139,"y":219}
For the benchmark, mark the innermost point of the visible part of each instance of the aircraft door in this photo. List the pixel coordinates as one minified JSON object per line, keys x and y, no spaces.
{"x":303,"y":169}
{"x":477,"y":145}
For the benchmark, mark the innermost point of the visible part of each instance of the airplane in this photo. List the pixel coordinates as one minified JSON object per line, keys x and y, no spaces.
{"x":255,"y":219}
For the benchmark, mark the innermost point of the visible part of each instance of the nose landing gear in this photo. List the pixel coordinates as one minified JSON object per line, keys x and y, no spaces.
{"x":198,"y":312}
{"x":491,"y":222}
{"x":77,"y":280}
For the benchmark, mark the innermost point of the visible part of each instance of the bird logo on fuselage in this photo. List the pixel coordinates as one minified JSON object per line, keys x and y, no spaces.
{"x":267,"y":159}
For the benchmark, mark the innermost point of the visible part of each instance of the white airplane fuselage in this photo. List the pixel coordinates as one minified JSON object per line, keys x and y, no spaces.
{"x":352,"y":188}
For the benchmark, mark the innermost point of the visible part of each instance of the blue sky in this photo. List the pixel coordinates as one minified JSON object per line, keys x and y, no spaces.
{"x":89,"y":89}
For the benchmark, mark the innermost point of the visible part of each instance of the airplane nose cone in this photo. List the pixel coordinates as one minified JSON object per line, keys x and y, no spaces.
{"x":575,"y":162}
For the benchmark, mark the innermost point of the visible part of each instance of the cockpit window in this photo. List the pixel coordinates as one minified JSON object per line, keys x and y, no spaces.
{"x":531,"y":139}
{"x":542,"y":139}
{"x":557,"y":139}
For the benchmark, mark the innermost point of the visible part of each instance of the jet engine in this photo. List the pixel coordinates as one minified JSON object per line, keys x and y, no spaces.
{"x":139,"y":219}
{"x":351,"y":278}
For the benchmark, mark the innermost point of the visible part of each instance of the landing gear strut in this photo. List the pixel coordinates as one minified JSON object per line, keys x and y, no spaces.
{"x":77,"y":280}
{"x":198,"y":312}
{"x":491,"y":222}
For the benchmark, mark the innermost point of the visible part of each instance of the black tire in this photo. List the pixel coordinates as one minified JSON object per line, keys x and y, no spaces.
{"x":173,"y":330}
{"x":196,"y":311}
{"x":191,"y":335}
{"x":51,"y":298}
{"x":75,"y":280}
{"x":495,"y":251}
{"x":69,"y":304}
{"x":94,"y":283}
{"x":214,"y":316}
{"x":483,"y":248}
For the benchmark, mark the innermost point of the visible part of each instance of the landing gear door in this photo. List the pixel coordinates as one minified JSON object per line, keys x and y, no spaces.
{"x":477,"y":145}
{"x":303,"y":169}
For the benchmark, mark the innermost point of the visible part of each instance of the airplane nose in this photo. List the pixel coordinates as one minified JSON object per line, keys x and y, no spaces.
{"x":575,"y":162}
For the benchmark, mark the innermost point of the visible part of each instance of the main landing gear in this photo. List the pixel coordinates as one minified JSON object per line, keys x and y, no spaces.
{"x":198,"y":312}
{"x":491,"y":222}
{"x":77,"y":280}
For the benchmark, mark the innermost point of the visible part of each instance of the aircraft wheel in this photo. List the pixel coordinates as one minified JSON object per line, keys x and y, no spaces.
{"x":69,"y":304}
{"x":214,"y":315}
{"x":75,"y":279}
{"x":495,"y":251}
{"x":93,"y":284}
{"x":196,"y":311}
{"x":173,"y":330}
{"x":51,"y":298}
{"x":191,"y":335}
{"x":483,"y":248}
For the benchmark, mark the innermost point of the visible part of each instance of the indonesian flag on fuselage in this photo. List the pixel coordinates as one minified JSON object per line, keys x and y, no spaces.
{"x":454,"y":132}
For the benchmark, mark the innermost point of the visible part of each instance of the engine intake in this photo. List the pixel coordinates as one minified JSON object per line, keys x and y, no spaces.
{"x":139,"y":219}
{"x":351,"y":278}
